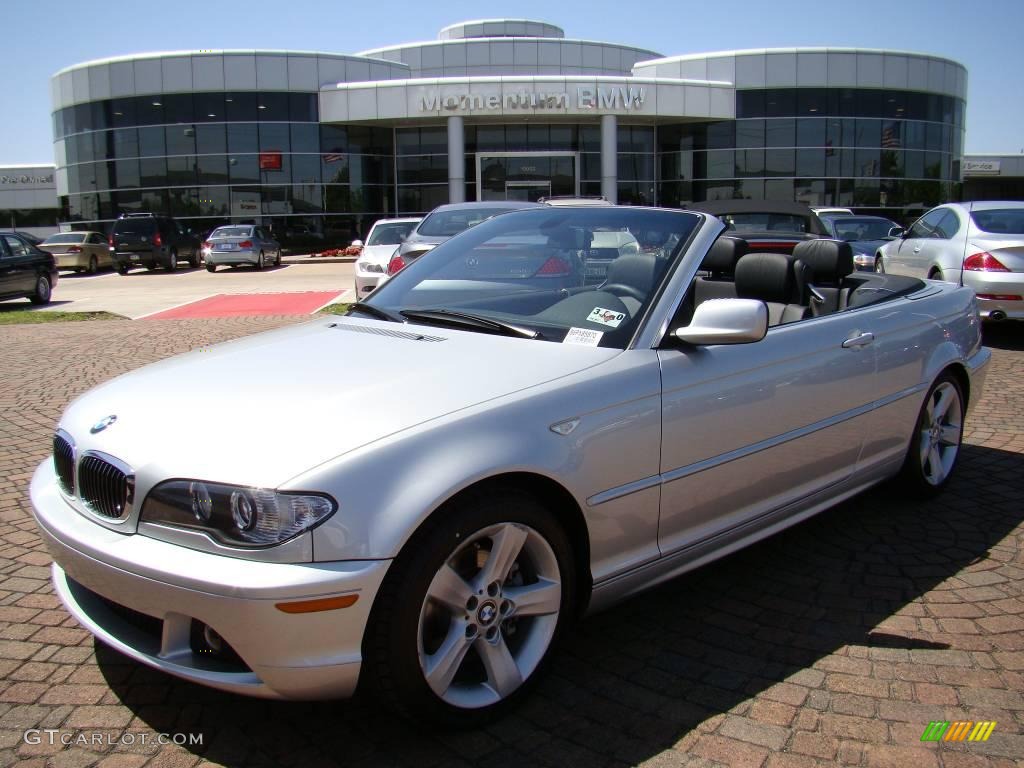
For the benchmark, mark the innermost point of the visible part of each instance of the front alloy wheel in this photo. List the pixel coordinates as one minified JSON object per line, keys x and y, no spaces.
{"x":935,"y":446}
{"x":41,"y":295}
{"x":470,"y":610}
{"x":879,"y":265}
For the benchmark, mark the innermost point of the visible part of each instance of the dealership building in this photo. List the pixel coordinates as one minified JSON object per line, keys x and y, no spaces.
{"x":495,"y":110}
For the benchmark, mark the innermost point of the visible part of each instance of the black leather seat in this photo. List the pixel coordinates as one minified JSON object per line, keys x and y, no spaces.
{"x":632,"y":278}
{"x":720,"y":263}
{"x":826,"y":265}
{"x":770,"y":277}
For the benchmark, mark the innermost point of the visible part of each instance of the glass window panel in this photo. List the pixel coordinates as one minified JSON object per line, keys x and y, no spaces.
{"x":155,"y":200}
{"x":334,"y":139}
{"x":842,"y":102}
{"x":122,"y":112}
{"x":869,"y":133}
{"x":126,"y":173}
{"x":211,"y":139}
{"x":809,"y":191}
{"x":892,"y":163}
{"x":750,"y":189}
{"x":214,"y":201}
{"x":563,"y":137}
{"x":779,"y":189}
{"x":490,"y":137}
{"x":432,"y":141}
{"x":244,"y":169}
{"x":152,"y":172}
{"x":780,"y":102}
{"x":243,"y":138}
{"x":209,"y":107}
{"x":152,"y":142}
{"x":839,"y":132}
{"x":305,"y":169}
{"x":865,"y":192}
{"x":812,"y":101}
{"x":99,"y":114}
{"x":811,"y":132}
{"x":717,"y":190}
{"x":334,"y":168}
{"x":871,"y":102}
{"x":182,"y":171}
{"x":933,"y":137}
{"x":184,"y":202}
{"x":538,"y":137}
{"x":780,"y":133}
{"x":307,"y":198}
{"x":515,"y":138}
{"x":750,"y":104}
{"x":181,"y":139}
{"x":895,"y":105}
{"x":128,"y":201}
{"x":917,"y":106}
{"x":810,"y":162}
{"x":272,"y":106}
{"x":779,"y":162}
{"x":635,"y":193}
{"x":933,"y":165}
{"x":84,"y":151}
{"x":213,"y":169}
{"x":750,"y":162}
{"x":721,"y":135}
{"x":305,"y":137}
{"x":590,"y":138}
{"x":99,"y":177}
{"x":844,"y":192}
{"x":372,"y":169}
{"x":178,"y":108}
{"x":74,"y":177}
{"x":240,"y":106}
{"x":590,"y":166}
{"x":274,"y":138}
{"x":302,"y":107}
{"x":892,"y":134}
{"x":749,"y":133}
{"x":934,"y":107}
{"x":275,"y":167}
{"x":102,"y":144}
{"x":868,"y":162}
{"x":720,"y":164}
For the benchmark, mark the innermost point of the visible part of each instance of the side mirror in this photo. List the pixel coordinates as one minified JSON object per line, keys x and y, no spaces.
{"x":726,"y":321}
{"x":899,"y":232}
{"x":357,"y":243}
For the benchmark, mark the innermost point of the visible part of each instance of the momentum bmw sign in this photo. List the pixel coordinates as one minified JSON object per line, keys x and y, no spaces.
{"x":616,"y":98}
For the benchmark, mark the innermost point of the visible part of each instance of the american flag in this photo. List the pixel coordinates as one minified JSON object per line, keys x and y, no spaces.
{"x":890,"y":138}
{"x":333,"y":158}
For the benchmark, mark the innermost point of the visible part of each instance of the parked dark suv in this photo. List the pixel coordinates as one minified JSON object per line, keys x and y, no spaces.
{"x":150,"y":240}
{"x":25,"y":271}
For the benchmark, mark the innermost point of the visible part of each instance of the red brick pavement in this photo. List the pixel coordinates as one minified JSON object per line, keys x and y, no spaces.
{"x":834,"y":643}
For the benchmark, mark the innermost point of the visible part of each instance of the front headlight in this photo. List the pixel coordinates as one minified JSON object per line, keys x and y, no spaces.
{"x":369,"y":266}
{"x":863,"y":260}
{"x":235,"y":515}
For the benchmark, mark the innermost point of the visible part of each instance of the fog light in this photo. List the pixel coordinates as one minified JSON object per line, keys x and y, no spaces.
{"x":243,"y":511}
{"x":202,"y":504}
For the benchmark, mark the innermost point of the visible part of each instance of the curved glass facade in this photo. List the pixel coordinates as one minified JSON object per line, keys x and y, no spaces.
{"x":885,"y":150}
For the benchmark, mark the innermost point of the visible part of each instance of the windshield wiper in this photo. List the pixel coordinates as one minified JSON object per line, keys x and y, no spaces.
{"x":463,"y":320}
{"x":369,"y":309}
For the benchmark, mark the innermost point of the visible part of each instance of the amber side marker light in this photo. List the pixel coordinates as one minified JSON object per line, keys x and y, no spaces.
{"x":320,"y":604}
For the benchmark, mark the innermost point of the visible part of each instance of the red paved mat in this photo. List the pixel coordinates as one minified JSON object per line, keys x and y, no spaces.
{"x":238,"y":305}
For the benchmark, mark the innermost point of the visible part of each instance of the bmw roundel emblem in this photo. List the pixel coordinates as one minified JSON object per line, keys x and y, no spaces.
{"x":103,"y":423}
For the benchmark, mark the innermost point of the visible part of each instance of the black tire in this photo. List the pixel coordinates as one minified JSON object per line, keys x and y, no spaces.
{"x":277,"y":259}
{"x":122,"y":269}
{"x":259,"y":262}
{"x":935,"y":274}
{"x":927,"y":475}
{"x":392,"y":643}
{"x":211,"y":267}
{"x":172,"y":263}
{"x":194,"y":261}
{"x":94,"y":265}
{"x":41,"y":294}
{"x":879,"y":265}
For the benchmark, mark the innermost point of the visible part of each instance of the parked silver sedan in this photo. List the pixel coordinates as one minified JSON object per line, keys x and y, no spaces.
{"x":241,"y":244}
{"x":980,"y":245}
{"x":569,"y":444}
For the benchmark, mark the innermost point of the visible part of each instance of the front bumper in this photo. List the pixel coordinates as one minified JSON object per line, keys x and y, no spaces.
{"x":367,"y":282}
{"x":99,"y":572}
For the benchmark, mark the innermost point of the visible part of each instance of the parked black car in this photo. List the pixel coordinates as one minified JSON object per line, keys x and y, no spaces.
{"x":151,"y":240}
{"x":25,"y":271}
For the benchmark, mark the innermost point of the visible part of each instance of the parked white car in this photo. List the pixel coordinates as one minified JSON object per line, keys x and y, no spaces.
{"x":980,"y":245}
{"x":382,"y":242}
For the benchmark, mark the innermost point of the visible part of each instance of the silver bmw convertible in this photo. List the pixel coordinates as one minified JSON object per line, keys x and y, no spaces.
{"x":550,"y":445}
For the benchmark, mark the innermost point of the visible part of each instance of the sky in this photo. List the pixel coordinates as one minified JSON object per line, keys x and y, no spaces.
{"x":44,"y":36}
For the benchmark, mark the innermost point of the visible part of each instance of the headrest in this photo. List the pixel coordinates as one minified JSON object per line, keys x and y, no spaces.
{"x":766,"y":276}
{"x":724,"y":254}
{"x":635,"y":269}
{"x":829,"y":260}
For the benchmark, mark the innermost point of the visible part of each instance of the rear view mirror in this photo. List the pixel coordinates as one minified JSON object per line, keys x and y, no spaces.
{"x":726,"y":321}
{"x":897,"y":232}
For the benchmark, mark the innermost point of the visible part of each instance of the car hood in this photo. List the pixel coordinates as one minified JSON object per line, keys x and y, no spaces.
{"x":377,"y":254}
{"x":262,"y":410}
{"x":868,"y":247}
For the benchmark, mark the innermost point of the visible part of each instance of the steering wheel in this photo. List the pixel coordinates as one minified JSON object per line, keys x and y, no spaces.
{"x":621,"y":289}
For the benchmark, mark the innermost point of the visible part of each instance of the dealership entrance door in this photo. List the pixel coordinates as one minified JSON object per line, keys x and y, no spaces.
{"x":526,"y":175}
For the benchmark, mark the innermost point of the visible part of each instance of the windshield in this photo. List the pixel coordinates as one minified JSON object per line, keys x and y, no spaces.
{"x":1009,"y":221}
{"x":851,"y":228}
{"x":579,"y":275}
{"x":73,"y":237}
{"x":764,"y":222}
{"x":390,"y":234}
{"x":232,"y":232}
{"x":451,"y":222}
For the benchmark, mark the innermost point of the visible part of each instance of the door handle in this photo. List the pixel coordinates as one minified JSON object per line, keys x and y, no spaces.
{"x":918,"y":249}
{"x":861,"y":340}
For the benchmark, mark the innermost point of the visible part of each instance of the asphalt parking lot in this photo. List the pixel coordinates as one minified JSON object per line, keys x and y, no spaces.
{"x":141,"y":292}
{"x":836,"y":642}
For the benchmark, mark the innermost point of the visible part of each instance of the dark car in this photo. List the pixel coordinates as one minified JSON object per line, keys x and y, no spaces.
{"x":151,"y":240}
{"x":865,"y":234}
{"x":25,"y":271}
{"x":445,"y":222}
{"x":766,"y":225}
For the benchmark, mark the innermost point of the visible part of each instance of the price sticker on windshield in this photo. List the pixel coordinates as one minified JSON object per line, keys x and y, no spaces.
{"x":608,"y":317}
{"x":583,"y":336}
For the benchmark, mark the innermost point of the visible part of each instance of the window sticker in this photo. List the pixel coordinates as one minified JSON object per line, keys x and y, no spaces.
{"x":608,"y":317}
{"x":584,"y":336}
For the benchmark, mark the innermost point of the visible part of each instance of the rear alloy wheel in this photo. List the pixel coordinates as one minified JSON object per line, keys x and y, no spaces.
{"x":194,"y":260}
{"x":211,"y":267}
{"x":879,"y":266}
{"x":94,"y":265}
{"x":122,"y":269}
{"x":277,"y":259}
{"x":41,"y":295}
{"x":172,"y":264}
{"x":935,"y":444}
{"x":259,"y":261}
{"x":471,"y":610}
